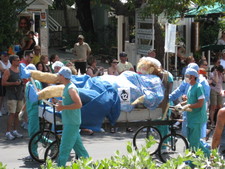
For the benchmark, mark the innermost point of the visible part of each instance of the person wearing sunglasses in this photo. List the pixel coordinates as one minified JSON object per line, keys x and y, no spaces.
{"x":14,"y":93}
{"x":112,"y":70}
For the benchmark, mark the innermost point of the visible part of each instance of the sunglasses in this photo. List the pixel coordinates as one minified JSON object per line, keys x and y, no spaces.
{"x":115,"y":62}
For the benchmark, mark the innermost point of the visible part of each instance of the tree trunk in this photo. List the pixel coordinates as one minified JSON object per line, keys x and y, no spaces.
{"x":84,"y":15}
{"x":159,"y":41}
{"x":66,"y":17}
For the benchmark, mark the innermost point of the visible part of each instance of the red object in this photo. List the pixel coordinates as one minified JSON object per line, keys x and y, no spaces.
{"x":203,"y":72}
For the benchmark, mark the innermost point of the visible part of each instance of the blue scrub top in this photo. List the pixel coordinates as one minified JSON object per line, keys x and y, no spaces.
{"x":71,"y":117}
{"x":31,"y":106}
{"x":198,"y":115}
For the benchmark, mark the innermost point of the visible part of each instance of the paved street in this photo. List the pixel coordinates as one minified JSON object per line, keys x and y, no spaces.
{"x":99,"y":146}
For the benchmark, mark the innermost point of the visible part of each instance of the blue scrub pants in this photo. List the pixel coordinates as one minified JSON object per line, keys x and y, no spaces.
{"x":33,"y":127}
{"x":184,"y":126}
{"x":194,"y":135}
{"x":71,"y":139}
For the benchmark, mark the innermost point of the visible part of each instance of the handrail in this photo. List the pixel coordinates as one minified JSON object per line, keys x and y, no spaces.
{"x":53,"y":24}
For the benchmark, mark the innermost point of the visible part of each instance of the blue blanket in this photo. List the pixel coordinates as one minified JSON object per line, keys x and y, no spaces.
{"x":101,"y":97}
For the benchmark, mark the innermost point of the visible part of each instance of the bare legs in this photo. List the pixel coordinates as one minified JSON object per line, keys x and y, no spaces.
{"x":13,"y":121}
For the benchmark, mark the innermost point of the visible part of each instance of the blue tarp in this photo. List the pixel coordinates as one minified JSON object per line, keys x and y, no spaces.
{"x":100,"y":97}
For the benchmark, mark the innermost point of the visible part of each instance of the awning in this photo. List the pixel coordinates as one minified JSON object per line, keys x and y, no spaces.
{"x":217,"y":8}
{"x":213,"y":47}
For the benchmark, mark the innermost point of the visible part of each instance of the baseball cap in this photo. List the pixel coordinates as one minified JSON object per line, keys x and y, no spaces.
{"x":80,"y":37}
{"x":4,"y":53}
{"x":123,"y":54}
{"x":31,"y":67}
{"x":192,"y":72}
{"x":66,"y":72}
{"x":223,"y":51}
{"x":57,"y":63}
{"x":193,"y":66}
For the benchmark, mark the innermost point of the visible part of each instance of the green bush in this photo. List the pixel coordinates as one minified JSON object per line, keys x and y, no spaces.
{"x":2,"y":166}
{"x":140,"y":159}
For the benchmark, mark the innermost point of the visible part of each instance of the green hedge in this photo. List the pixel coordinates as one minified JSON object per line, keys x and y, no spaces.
{"x":140,"y":159}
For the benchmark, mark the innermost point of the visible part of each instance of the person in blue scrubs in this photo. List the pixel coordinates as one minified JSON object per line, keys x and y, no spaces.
{"x":32,"y":111}
{"x":197,"y":117}
{"x":182,"y":91}
{"x":71,"y":119}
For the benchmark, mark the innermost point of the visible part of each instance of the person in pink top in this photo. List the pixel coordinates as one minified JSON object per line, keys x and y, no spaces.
{"x":216,"y":80}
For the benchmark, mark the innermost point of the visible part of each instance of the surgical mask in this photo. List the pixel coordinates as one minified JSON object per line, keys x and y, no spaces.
{"x":187,"y":80}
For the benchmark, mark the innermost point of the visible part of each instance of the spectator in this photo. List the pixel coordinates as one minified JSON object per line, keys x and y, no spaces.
{"x":203,"y":67}
{"x":216,"y":99}
{"x":28,"y":57}
{"x":14,"y":92}
{"x":221,"y":41}
{"x":151,"y":53}
{"x":92,"y":69}
{"x":124,"y":65}
{"x":82,"y":52}
{"x":53,"y":59}
{"x":4,"y":65}
{"x":189,"y":59}
{"x":37,"y":55}
{"x":222,"y":60}
{"x":112,"y":70}
{"x":218,"y":140}
{"x":39,"y":66}
{"x":71,"y":119}
{"x":29,"y":44}
{"x":44,"y":61}
{"x":216,"y":63}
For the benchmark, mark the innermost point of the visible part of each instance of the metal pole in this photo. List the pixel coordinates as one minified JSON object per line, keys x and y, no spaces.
{"x":176,"y":60}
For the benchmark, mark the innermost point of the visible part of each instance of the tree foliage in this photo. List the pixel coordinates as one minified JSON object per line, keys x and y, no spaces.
{"x":10,"y":9}
{"x":169,"y":7}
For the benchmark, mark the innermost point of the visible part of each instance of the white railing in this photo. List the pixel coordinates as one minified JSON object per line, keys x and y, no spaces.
{"x":53,"y":24}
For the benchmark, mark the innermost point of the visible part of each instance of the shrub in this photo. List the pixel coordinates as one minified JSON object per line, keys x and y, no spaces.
{"x":140,"y":159}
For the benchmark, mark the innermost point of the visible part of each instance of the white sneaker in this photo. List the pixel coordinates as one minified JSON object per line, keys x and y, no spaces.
{"x":16,"y":134}
{"x":9,"y":136}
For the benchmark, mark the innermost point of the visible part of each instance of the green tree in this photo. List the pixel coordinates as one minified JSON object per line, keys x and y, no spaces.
{"x":10,"y":9}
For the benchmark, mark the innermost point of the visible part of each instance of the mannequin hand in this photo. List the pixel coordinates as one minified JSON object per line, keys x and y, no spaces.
{"x":178,"y":107}
{"x":187,"y":108}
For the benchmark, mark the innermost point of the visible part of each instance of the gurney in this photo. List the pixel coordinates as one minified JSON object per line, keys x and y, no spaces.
{"x":113,"y":112}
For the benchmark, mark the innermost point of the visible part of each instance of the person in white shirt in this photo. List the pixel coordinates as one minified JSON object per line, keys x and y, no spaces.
{"x":82,"y":52}
{"x":124,"y":65}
